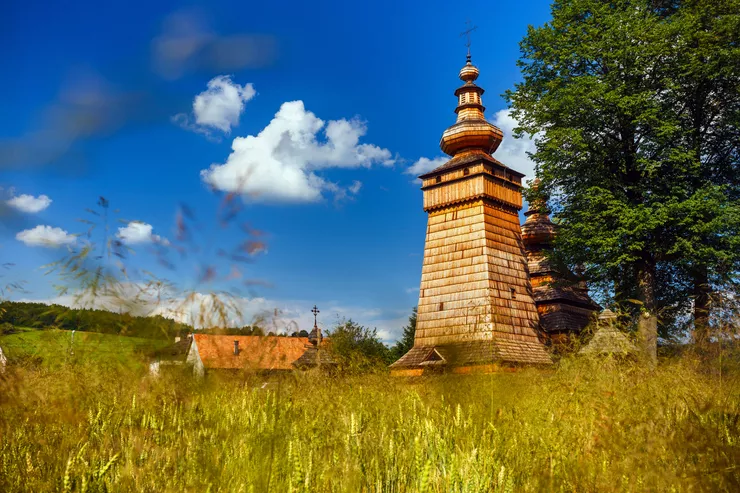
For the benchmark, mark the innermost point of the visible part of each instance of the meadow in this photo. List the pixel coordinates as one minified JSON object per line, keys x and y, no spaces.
{"x":55,"y":348}
{"x":585,"y":425}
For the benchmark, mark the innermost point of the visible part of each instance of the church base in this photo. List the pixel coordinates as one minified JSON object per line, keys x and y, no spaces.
{"x":483,"y":356}
{"x":458,"y":370}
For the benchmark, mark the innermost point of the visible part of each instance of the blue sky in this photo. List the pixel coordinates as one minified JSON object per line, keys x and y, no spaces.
{"x":114,"y":100}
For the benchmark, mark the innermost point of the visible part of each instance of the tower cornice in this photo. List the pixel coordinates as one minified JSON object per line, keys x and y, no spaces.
{"x":469,"y":159}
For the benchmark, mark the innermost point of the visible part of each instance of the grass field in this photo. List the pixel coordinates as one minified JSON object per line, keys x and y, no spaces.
{"x":584,"y":426}
{"x":53,"y":347}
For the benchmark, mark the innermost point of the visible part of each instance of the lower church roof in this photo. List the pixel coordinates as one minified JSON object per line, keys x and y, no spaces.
{"x":315,"y":356}
{"x":475,"y":353}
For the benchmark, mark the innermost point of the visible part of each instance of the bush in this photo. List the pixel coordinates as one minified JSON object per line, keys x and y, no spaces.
{"x":358,"y":349}
{"x":7,"y":328}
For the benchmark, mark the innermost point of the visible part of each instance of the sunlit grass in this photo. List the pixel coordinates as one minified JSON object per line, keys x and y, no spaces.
{"x":53,"y":348}
{"x":586,"y":426}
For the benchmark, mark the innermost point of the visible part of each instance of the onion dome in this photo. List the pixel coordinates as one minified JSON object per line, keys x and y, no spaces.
{"x":538,"y":231}
{"x":469,"y":72}
{"x":471,"y":132}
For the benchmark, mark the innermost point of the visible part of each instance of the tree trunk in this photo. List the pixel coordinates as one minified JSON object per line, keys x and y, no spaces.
{"x":647,"y":326}
{"x":701,"y":308}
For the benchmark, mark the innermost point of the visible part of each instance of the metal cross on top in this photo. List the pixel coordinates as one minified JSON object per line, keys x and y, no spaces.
{"x":466,"y":33}
{"x":315,"y":312}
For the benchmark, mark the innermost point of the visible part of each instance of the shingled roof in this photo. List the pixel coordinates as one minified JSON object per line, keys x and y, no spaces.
{"x":467,"y":159}
{"x":255,"y":352}
{"x":474,"y":353}
{"x":315,"y":356}
{"x":608,"y":339}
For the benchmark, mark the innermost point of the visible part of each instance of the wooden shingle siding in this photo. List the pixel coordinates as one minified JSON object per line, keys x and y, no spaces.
{"x":455,"y":188}
{"x":472,"y":279}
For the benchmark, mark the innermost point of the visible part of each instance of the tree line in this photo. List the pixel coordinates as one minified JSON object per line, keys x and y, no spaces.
{"x":42,"y":316}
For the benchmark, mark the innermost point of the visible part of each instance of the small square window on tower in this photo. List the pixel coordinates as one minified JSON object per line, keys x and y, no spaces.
{"x":513,"y":293}
{"x":439,"y":179}
{"x":466,"y":171}
{"x":441,"y":306}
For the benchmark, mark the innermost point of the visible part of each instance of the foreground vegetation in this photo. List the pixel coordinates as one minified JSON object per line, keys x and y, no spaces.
{"x":584,"y":426}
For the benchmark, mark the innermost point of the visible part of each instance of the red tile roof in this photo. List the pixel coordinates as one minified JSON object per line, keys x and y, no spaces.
{"x":255,"y":352}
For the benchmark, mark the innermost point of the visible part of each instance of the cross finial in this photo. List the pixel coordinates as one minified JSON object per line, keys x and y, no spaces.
{"x":466,"y":33}
{"x":315,"y":312}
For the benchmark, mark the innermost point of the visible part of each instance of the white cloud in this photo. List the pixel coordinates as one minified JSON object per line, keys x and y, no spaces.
{"x":279,"y":163}
{"x":425,"y":165}
{"x":512,"y":152}
{"x":45,"y":236}
{"x":354,"y":189}
{"x":222,"y":103}
{"x":218,"y":107}
{"x":29,"y":203}
{"x":137,"y":232}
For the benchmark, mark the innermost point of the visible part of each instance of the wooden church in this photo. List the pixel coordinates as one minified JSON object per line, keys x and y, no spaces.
{"x":562,"y":299}
{"x":477,"y":310}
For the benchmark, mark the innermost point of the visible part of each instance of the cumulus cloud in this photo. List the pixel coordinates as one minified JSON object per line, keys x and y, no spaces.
{"x":279,"y":164}
{"x":29,"y":203}
{"x":222,"y":103}
{"x":425,"y":165}
{"x":46,"y":236}
{"x":218,"y":107}
{"x":512,"y":152}
{"x":137,"y":233}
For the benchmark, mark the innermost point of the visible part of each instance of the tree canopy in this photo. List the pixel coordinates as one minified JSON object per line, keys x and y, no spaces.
{"x":635,"y":107}
{"x":358,"y":348}
{"x":40,"y":315}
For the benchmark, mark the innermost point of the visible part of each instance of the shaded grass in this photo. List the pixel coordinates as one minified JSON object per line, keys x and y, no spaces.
{"x":586,"y":426}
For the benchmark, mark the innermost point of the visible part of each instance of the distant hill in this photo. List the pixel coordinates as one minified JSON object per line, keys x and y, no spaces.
{"x":42,"y":316}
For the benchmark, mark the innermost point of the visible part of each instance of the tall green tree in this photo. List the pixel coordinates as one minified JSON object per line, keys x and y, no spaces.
{"x":706,"y":97}
{"x":407,"y":338}
{"x":606,"y":88}
{"x":358,"y":348}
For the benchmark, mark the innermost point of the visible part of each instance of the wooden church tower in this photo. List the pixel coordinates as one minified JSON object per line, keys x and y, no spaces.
{"x":562,"y":299}
{"x":476,"y":311}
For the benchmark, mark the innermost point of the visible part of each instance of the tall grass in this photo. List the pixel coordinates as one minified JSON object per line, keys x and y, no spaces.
{"x":585,"y":426}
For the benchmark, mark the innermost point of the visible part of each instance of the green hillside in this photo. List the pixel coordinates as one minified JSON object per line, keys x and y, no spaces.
{"x":52,"y":347}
